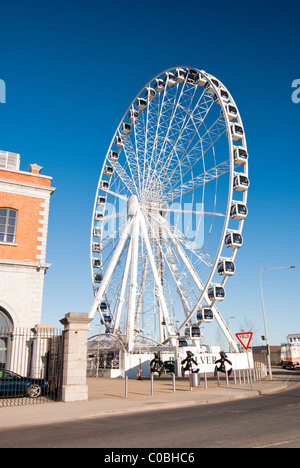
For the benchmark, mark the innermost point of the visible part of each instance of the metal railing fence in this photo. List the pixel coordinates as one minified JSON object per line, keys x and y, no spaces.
{"x":31,"y":366}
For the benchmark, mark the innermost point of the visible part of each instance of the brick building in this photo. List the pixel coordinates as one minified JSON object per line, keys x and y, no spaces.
{"x":24,"y":212}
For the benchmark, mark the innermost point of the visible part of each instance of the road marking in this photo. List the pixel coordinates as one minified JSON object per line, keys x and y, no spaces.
{"x":277,"y":443}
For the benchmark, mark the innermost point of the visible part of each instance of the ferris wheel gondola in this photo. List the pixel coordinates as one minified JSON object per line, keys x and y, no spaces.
{"x":164,"y":209}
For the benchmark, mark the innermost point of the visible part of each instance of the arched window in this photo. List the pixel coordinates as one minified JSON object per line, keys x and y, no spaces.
{"x":8,"y":225}
{"x":5,"y":320}
{"x":5,"y":328}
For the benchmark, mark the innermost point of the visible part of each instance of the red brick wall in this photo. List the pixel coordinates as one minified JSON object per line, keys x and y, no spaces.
{"x":21,"y":177}
{"x":27,"y":227}
{"x":29,"y":209}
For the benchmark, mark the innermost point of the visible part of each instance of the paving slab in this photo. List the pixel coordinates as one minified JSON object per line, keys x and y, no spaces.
{"x":107,"y":398}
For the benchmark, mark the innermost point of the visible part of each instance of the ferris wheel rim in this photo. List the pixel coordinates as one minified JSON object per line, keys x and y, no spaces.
{"x":209,"y":79}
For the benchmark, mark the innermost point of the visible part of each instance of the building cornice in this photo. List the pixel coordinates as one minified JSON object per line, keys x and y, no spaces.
{"x":30,"y":174}
{"x":20,"y":186}
{"x":26,"y":263}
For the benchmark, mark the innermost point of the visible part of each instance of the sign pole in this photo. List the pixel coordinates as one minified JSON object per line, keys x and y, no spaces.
{"x":249,"y":370}
{"x":245,"y":340}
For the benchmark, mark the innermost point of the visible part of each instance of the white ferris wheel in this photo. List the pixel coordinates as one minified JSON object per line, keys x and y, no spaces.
{"x":169,"y":211}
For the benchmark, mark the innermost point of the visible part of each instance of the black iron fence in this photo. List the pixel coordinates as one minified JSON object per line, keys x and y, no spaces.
{"x":31,"y":366}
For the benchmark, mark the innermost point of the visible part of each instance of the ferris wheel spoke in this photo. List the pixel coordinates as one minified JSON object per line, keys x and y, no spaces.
{"x":190,"y":312}
{"x":201,"y":288}
{"x":173,"y":264}
{"x":151,"y":132}
{"x":175,"y":126}
{"x":217,"y":315}
{"x":129,"y":182}
{"x":115,"y":189}
{"x":133,"y":149}
{"x":110,"y":269}
{"x":145,"y":132}
{"x":117,"y":195}
{"x":197,"y":152}
{"x":184,"y":212}
{"x":190,"y":128}
{"x":171,"y":260}
{"x":107,"y":241}
{"x":156,"y":278}
{"x":142,"y":292}
{"x":155,"y":139}
{"x":113,"y":216}
{"x":140,"y":131}
{"x":186,"y":261}
{"x":98,"y":231}
{"x":133,"y":283}
{"x":121,"y":300}
{"x":152,"y":138}
{"x":189,"y":245}
{"x":174,"y":134}
{"x":169,"y":127}
{"x":198,"y":181}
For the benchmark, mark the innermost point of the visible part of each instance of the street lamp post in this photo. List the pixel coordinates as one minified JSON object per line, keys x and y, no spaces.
{"x":264,"y":314}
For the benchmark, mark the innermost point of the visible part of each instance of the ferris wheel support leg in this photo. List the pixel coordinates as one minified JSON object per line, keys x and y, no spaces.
{"x":123,"y":288}
{"x":160,"y":275}
{"x":133,"y":283}
{"x":186,"y":261}
{"x":157,"y":280}
{"x":225,"y":329}
{"x":141,"y":294}
{"x":200,"y":286}
{"x":175,"y":274}
{"x":110,"y":269}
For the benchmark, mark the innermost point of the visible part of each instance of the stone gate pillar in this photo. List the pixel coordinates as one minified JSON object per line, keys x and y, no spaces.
{"x":75,"y":356}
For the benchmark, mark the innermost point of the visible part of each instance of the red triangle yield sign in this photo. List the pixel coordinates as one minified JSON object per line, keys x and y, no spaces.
{"x":244,"y":339}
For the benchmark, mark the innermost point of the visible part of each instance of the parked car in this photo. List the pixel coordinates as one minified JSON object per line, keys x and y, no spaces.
{"x":12,"y":384}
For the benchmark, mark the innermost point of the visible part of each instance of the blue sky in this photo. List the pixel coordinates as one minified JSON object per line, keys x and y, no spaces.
{"x":71,"y":69}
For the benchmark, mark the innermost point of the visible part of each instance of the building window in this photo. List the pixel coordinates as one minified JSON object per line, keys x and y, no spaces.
{"x":8,"y":224}
{"x":5,"y":322}
{"x":5,"y":328}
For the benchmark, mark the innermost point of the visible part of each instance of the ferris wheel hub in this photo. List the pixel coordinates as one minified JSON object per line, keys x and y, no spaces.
{"x":133,"y":206}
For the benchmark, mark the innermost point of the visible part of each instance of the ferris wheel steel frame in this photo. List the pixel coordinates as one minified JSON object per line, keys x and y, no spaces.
{"x":146,"y":220}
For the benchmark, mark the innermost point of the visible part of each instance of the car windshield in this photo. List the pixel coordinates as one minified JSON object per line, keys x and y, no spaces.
{"x":8,"y":375}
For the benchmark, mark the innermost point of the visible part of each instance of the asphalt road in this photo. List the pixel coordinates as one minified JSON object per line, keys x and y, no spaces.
{"x":266,"y":421}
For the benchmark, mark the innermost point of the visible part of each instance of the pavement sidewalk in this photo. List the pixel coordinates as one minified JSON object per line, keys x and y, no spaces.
{"x":107,"y":397}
